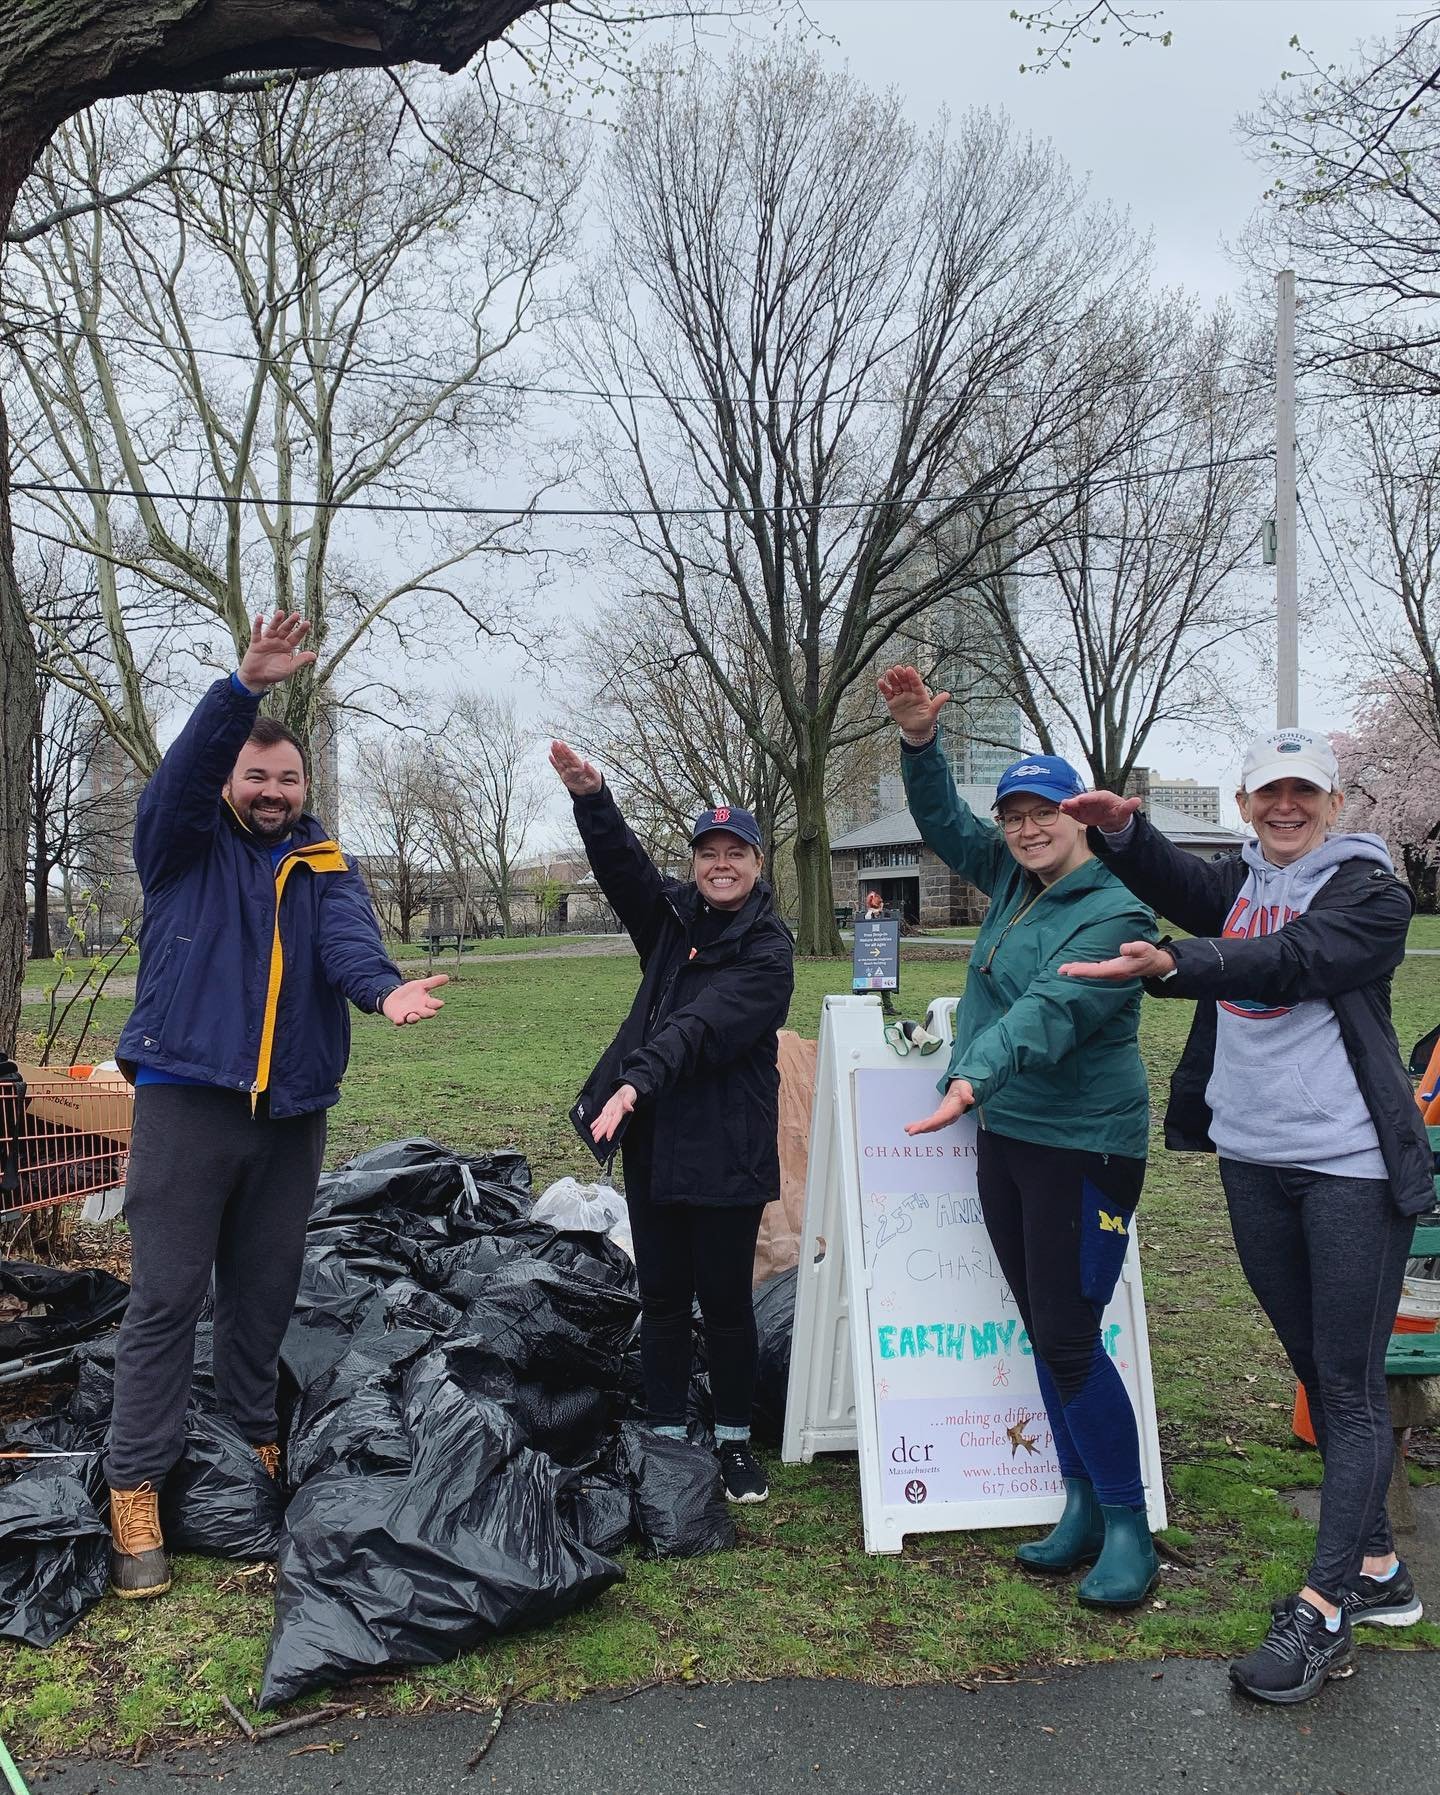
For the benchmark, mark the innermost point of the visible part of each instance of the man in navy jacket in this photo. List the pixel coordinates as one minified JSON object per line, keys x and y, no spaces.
{"x":257,"y":929}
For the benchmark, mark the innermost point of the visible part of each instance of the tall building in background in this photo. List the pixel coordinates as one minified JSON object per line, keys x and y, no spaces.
{"x":982,"y":721}
{"x":1187,"y":796}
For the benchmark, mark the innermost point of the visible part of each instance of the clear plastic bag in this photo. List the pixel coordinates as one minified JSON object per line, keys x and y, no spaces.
{"x":570,"y":1206}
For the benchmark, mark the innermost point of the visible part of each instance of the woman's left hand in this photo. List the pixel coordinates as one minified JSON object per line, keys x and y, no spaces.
{"x":1138,"y":960}
{"x":953,"y":1105}
{"x":613,"y":1114}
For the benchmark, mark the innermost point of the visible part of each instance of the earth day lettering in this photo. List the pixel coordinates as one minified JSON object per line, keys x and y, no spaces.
{"x":950,"y":1339}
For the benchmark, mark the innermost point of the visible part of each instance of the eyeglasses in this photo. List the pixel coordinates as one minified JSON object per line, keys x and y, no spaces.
{"x":1013,"y":821}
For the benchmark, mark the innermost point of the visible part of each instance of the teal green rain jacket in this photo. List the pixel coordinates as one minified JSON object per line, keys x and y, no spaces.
{"x":1052,"y":1060}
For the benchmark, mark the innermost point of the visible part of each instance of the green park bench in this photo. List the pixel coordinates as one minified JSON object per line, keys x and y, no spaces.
{"x":1412,"y":1377}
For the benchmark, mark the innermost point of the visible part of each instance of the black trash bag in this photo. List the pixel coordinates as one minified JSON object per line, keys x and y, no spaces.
{"x":219,"y":1500}
{"x":678,"y":1494}
{"x":774,"y":1322}
{"x":54,"y":1552}
{"x":350,"y":1420}
{"x":94,"y":1394}
{"x":598,"y":1506}
{"x":414,"y":1568}
{"x":570,"y":1425}
{"x":74,"y":1305}
{"x":417,"y":1178}
{"x":552,"y":1327}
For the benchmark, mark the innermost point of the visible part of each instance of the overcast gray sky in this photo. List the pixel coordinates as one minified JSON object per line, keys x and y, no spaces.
{"x":1153,"y":129}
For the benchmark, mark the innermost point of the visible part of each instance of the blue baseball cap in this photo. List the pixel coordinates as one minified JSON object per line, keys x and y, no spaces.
{"x":725,"y":816}
{"x":1046,"y":775}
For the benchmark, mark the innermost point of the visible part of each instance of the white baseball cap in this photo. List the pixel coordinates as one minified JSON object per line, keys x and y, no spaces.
{"x":1290,"y":754}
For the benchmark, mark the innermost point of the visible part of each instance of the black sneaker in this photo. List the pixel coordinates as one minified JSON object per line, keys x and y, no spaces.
{"x":1298,"y":1654}
{"x":1390,"y":1604}
{"x":744,"y":1480}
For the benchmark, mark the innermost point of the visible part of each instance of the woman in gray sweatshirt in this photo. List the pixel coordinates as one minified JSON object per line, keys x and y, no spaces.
{"x":1293,"y":1075}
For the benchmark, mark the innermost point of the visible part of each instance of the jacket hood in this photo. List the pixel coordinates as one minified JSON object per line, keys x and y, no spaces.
{"x":1282,"y":884}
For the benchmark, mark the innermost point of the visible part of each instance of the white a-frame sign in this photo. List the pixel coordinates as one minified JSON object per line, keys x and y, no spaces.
{"x":907,"y":1341}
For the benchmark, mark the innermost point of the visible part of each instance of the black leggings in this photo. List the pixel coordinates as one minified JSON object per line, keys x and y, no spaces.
{"x":684,"y":1251}
{"x":1326,"y":1257}
{"x":1059,"y":1221}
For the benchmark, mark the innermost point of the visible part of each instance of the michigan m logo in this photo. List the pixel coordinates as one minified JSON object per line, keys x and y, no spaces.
{"x":1111,"y":1224}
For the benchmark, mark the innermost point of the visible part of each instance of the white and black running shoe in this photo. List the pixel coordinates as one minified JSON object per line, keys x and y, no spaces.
{"x":1297,"y":1656}
{"x":1393,"y":1603}
{"x":744,"y":1480}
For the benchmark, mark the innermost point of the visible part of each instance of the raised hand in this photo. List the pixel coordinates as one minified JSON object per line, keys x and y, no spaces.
{"x":577,"y":775}
{"x":613,"y":1114}
{"x":1136,"y":960}
{"x":957,"y":1099}
{"x":908,"y":700}
{"x":412,"y":1002}
{"x":274,"y":652}
{"x":1101,"y":810}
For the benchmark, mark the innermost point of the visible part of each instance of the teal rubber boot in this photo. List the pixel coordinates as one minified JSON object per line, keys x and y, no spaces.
{"x":1126,"y":1569}
{"x":1076,"y":1538}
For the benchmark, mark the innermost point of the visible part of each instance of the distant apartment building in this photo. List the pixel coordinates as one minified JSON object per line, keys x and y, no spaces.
{"x":1187,"y":797}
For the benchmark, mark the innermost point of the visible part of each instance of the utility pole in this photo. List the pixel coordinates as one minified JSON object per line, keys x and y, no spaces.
{"x":1287,"y":601}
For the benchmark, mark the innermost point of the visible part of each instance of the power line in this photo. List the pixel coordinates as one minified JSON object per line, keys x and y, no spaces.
{"x":516,"y":513}
{"x":1356,"y":611}
{"x":598,"y":394}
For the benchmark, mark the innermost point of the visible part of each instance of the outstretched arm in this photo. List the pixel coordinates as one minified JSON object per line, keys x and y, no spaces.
{"x":974,"y":849}
{"x":626,"y":874}
{"x":1193,"y":894}
{"x":180,"y":806}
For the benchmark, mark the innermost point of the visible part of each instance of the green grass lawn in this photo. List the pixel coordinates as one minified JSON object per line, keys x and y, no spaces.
{"x":799,"y":1596}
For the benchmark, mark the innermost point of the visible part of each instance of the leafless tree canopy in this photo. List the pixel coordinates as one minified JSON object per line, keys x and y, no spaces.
{"x":482,"y":797}
{"x":858,"y":341}
{"x":1355,"y":206}
{"x":1147,"y":567}
{"x":317,"y":302}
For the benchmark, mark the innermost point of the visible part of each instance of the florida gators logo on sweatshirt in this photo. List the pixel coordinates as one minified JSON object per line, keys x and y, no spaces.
{"x":1246,"y":920}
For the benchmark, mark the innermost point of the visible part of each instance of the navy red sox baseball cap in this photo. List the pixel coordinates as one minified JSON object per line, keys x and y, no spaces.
{"x":725,"y":816}
{"x":1044,"y":774}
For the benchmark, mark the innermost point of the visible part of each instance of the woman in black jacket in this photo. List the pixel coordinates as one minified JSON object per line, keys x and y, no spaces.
{"x":692,"y":1084}
{"x":1293,"y":1075}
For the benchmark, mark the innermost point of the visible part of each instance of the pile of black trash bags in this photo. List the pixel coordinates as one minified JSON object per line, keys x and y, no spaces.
{"x":463,"y":1457}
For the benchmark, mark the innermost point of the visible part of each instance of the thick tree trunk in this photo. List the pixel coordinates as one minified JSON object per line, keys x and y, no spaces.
{"x":816,"y":932}
{"x":40,"y":868}
{"x":56,"y":58}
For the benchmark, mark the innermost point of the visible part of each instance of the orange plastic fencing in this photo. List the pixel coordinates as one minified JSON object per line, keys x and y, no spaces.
{"x":67,"y":1135}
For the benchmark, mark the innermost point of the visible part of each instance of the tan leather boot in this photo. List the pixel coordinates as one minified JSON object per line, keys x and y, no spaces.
{"x":269,"y":1456}
{"x":139,"y":1565}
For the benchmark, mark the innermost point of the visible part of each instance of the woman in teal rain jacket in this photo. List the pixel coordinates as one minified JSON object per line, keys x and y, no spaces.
{"x":1051,"y":1068}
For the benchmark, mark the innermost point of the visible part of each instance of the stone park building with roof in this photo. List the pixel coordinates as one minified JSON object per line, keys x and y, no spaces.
{"x":888,"y":856}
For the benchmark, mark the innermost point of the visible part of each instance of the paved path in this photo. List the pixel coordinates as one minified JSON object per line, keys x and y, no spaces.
{"x":1124,"y":1729}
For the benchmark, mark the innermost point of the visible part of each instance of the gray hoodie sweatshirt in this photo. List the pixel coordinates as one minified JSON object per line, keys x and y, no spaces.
{"x":1283,"y":1091}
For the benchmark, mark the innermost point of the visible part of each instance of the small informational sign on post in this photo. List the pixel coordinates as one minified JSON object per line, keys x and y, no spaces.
{"x":907,"y":1343}
{"x":876,"y":963}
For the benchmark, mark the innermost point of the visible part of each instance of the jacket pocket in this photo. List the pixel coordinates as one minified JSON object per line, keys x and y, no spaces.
{"x":1308,"y":1102}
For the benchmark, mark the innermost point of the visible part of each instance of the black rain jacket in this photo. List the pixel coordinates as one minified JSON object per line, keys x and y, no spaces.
{"x":699,"y":1044}
{"x":1345,"y":948}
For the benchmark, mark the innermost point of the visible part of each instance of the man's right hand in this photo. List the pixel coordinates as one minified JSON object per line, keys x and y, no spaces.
{"x":274,"y":652}
{"x":1105,"y":811}
{"x":908,"y":700}
{"x":577,"y":775}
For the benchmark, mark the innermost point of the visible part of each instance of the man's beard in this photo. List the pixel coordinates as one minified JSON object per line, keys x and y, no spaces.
{"x":271,"y":825}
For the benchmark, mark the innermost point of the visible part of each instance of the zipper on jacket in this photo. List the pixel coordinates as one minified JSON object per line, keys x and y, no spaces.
{"x":1019,"y":916}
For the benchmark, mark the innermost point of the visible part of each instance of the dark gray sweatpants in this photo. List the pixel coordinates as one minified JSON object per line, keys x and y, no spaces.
{"x":1326,"y":1258}
{"x":210,"y":1187}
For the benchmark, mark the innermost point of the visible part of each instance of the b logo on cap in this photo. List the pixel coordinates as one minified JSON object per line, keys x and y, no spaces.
{"x":722,"y":815}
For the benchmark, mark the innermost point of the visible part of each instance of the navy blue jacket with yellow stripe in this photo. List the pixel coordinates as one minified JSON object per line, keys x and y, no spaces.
{"x":245,"y":965}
